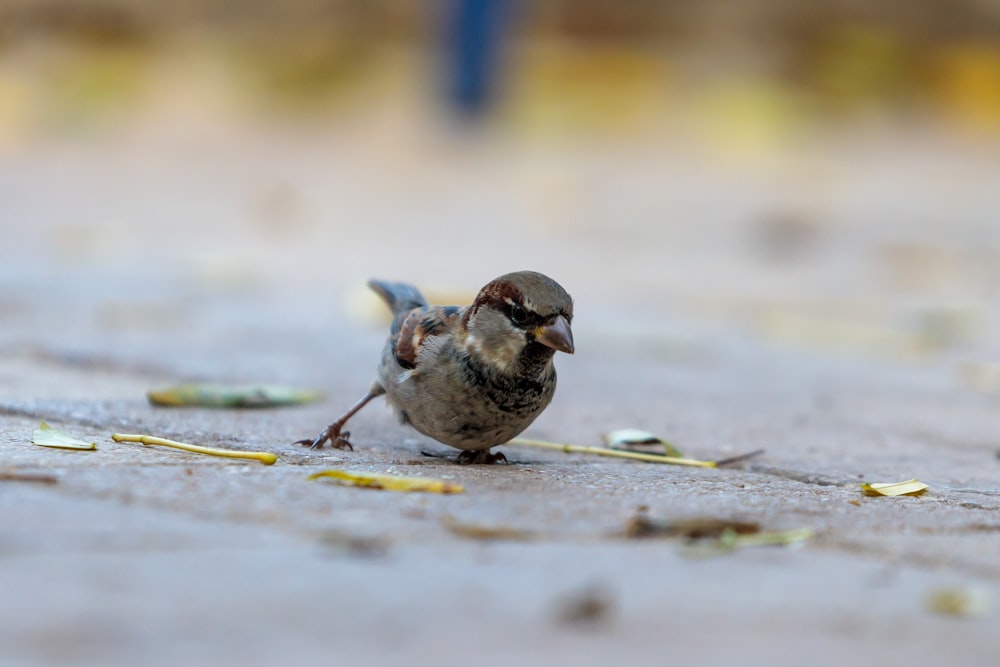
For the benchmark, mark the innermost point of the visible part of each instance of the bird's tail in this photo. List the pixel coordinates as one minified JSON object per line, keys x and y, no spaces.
{"x":400,"y":297}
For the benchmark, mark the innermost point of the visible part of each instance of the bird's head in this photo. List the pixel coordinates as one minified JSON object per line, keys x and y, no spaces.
{"x":519,"y":320}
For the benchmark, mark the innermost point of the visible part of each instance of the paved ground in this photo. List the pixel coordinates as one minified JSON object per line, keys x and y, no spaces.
{"x":836,"y":309}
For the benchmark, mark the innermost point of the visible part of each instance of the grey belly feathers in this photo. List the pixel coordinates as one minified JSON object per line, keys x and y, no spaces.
{"x":487,"y":410}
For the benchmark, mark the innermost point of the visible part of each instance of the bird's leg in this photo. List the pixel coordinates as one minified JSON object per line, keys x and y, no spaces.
{"x":332,"y":432}
{"x":483,"y":456}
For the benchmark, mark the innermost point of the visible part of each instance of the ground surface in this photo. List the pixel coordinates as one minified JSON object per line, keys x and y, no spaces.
{"x":837,"y":312}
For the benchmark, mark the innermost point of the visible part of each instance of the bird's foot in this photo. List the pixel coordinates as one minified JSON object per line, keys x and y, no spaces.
{"x":332,"y":435}
{"x":480,"y":456}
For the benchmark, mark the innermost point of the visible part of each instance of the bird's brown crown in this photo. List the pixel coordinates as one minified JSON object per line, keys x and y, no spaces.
{"x":528,"y":298}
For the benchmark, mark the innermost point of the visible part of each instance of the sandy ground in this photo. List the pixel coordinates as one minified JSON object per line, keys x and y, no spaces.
{"x":833,"y":307}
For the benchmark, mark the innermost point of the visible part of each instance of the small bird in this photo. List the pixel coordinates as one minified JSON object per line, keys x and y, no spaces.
{"x":474,"y":376}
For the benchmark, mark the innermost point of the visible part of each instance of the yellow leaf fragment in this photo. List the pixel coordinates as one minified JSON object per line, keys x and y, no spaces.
{"x":908,"y":488}
{"x":965,"y":602}
{"x":46,"y":436}
{"x":215,"y":395}
{"x":633,"y":439}
{"x":374,"y":480}
{"x":267,"y":458}
{"x":782,"y":538}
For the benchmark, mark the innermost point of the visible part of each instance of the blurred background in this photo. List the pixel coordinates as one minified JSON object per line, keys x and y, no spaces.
{"x":823,"y":174}
{"x":745,"y":72}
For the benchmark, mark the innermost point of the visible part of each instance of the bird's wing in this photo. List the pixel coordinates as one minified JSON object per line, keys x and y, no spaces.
{"x":417,"y":327}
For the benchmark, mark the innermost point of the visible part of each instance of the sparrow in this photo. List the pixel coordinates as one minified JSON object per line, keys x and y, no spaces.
{"x":471,"y":377}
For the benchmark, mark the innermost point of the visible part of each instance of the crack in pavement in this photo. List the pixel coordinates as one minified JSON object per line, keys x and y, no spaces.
{"x":815,"y":478}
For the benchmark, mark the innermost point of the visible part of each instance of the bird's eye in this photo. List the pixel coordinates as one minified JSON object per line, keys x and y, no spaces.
{"x":517,"y":314}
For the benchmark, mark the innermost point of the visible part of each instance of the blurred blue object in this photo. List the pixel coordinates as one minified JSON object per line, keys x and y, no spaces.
{"x":475,"y":35}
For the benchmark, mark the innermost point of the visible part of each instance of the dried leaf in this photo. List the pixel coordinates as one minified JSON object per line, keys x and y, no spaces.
{"x":387,"y":482}
{"x":36,"y":477}
{"x":479,"y":532}
{"x":966,"y":602}
{"x":46,"y":436}
{"x":708,"y":536}
{"x":267,"y":458}
{"x":632,"y":439}
{"x":729,"y":541}
{"x":908,"y":488}
{"x":642,"y":526}
{"x":214,"y":395}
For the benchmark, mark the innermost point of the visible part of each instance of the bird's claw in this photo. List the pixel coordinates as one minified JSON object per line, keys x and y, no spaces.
{"x":481,"y":456}
{"x":342,"y":442}
{"x":336,"y":439}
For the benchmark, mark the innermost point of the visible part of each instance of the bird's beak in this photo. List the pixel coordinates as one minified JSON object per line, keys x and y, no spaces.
{"x":556,"y":335}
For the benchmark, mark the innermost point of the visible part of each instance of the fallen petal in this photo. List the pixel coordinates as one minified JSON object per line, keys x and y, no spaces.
{"x":633,"y":439}
{"x":908,"y":488}
{"x":46,"y":436}
{"x":373,"y":480}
